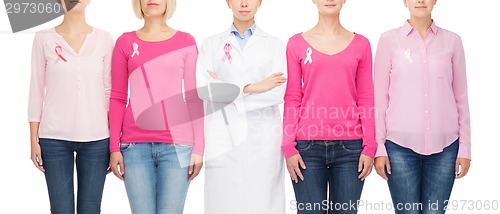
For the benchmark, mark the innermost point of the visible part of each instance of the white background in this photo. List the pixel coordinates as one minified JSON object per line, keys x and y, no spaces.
{"x":22,"y":186}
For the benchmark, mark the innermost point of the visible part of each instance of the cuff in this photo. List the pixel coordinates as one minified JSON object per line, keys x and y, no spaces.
{"x":381,"y":151}
{"x":369,"y":149}
{"x":198,"y":151}
{"x":114,"y":148}
{"x":464,"y":152}
{"x":289,"y":150}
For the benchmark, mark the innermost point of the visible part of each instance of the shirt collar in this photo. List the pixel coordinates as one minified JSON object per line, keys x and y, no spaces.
{"x":250,"y":30}
{"x":406,"y":29}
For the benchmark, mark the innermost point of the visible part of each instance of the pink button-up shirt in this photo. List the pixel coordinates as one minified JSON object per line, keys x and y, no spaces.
{"x":421,"y":91}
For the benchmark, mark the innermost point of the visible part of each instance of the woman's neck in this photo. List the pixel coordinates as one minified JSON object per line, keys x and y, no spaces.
{"x":329,"y":25}
{"x":243,"y":26}
{"x":74,"y":23}
{"x":154,"y":25}
{"x":421,"y":24}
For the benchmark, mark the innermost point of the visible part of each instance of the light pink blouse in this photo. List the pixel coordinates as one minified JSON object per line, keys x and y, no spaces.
{"x":69,"y":92}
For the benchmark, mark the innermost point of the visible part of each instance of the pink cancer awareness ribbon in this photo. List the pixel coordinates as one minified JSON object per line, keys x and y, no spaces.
{"x":308,"y":56}
{"x":227,"y":55}
{"x":408,"y":55}
{"x":135,"y":47}
{"x":59,"y":51}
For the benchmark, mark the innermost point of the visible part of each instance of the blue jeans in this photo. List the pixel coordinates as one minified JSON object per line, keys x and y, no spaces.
{"x":420,"y":184}
{"x":92,"y":161}
{"x":330,"y":165}
{"x":156,"y":176}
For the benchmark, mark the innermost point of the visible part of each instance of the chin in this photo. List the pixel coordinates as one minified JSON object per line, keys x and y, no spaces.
{"x":421,"y":15}
{"x":77,"y":10}
{"x":154,"y":15}
{"x":245,"y":19}
{"x":330,"y":13}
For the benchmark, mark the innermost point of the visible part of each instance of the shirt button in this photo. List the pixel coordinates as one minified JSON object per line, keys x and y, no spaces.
{"x":425,"y":95}
{"x":428,"y":128}
{"x":426,"y":112}
{"x":424,"y":61}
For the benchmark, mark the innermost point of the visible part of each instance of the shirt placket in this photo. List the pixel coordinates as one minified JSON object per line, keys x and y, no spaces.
{"x":78,"y":75}
{"x":427,"y":102}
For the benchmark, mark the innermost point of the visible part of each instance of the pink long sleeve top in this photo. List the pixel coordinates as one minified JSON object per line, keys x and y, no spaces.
{"x":329,"y":97}
{"x":163,"y":106}
{"x":421,"y":91}
{"x":69,"y":91}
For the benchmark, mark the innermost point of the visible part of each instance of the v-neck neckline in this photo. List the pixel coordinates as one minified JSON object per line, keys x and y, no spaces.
{"x":65,"y":43}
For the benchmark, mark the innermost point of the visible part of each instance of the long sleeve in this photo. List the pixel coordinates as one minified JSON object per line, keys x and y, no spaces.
{"x":119,"y":94}
{"x":37,"y":85}
{"x":272,"y":97}
{"x":364,"y":88}
{"x":293,"y":99}
{"x":382,"y":81}
{"x":106,"y":74}
{"x":193,"y":102}
{"x":461,"y":98}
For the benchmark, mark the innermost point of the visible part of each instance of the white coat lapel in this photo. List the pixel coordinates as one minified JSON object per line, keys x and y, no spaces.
{"x":228,"y":47}
{"x":257,"y":35}
{"x":229,"y":38}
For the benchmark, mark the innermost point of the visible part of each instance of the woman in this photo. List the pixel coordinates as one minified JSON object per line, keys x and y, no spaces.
{"x":244,"y":171}
{"x":329,"y":119}
{"x":157,"y":140}
{"x":68,"y":108}
{"x":423,"y":122}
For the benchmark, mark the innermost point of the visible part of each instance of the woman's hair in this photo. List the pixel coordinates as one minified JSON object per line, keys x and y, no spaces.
{"x":136,"y":5}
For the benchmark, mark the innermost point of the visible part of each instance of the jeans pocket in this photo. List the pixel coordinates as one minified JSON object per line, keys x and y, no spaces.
{"x":126,"y":146}
{"x":352,"y":146}
{"x":303,"y":145}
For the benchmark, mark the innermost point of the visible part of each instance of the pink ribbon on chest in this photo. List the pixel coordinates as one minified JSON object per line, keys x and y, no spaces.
{"x":227,"y":53}
{"x":59,"y":51}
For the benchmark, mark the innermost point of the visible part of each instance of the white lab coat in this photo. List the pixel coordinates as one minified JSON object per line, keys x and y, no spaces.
{"x":244,"y":164}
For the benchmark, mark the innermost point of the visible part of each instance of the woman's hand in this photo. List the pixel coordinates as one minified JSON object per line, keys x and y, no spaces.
{"x":195,"y":166}
{"x":292,"y":164}
{"x":213,"y":75}
{"x":36,"y":151}
{"x":267,"y":84}
{"x":365,"y":166}
{"x":381,"y":164}
{"x":116,"y":164}
{"x":462,"y":166}
{"x":36,"y":155}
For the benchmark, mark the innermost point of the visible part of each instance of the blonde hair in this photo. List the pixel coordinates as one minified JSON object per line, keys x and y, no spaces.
{"x":169,"y":12}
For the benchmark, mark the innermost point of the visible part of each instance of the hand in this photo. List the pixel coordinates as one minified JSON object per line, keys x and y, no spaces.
{"x":195,"y":166}
{"x":462,"y":166}
{"x":267,"y":84}
{"x":381,"y":164}
{"x":213,"y":75}
{"x":365,"y":166}
{"x":36,"y":155}
{"x":116,"y":164}
{"x":292,"y":164}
